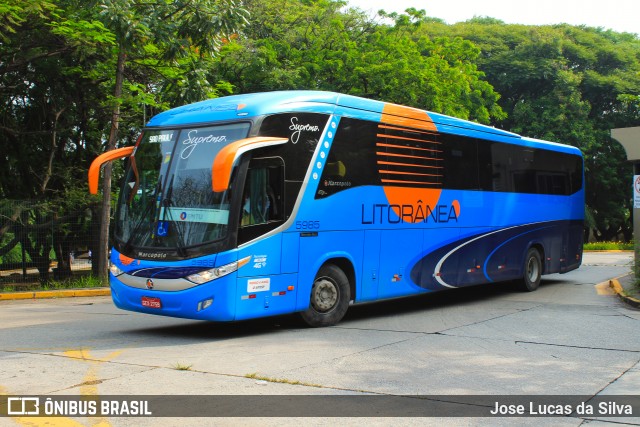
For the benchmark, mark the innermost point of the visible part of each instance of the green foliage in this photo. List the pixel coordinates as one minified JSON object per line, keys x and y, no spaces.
{"x":319,"y":45}
{"x":169,"y":47}
{"x":80,"y":32}
{"x":14,"y":256}
{"x":15,"y":13}
{"x":58,"y":83}
{"x":78,"y":282}
{"x":60,"y":88}
{"x":571,"y":85}
{"x":608,"y":246}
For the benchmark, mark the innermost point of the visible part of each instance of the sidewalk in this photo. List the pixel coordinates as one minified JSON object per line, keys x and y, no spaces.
{"x":627,"y":289}
{"x":61,"y":293}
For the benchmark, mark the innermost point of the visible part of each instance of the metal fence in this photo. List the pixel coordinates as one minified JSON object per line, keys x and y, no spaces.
{"x":42,"y":242}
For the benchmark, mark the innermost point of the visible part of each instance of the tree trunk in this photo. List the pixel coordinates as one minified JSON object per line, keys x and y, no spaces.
{"x":62,"y":250}
{"x":103,"y":249}
{"x":94,"y":243}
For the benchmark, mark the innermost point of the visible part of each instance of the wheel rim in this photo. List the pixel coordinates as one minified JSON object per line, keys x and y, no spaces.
{"x":325,"y":295}
{"x":533,"y":269}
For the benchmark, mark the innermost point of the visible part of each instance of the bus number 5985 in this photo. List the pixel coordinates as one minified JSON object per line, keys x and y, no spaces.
{"x":307,"y":225}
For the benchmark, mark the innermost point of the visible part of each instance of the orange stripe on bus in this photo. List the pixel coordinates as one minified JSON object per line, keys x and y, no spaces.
{"x":407,"y":173}
{"x":407,"y":156}
{"x":382,"y":135}
{"x":383,"y":162}
{"x":423,"y":132}
{"x":406,"y":147}
{"x":398,"y":181}
{"x":399,"y":196}
{"x":400,"y":115}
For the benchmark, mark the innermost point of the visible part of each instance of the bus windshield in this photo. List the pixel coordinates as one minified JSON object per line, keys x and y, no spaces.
{"x":166,"y":201}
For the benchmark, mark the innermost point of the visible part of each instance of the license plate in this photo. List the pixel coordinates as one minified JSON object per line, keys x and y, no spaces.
{"x":151,"y":302}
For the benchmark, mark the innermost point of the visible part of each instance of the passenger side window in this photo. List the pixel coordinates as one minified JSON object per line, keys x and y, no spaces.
{"x":351,"y":162}
{"x":262,"y":206}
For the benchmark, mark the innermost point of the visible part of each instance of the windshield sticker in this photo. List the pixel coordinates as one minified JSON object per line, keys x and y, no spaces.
{"x":210,"y":216}
{"x":299,"y":128}
{"x":163,"y":228}
{"x":192,"y":140}
{"x":163,"y":137}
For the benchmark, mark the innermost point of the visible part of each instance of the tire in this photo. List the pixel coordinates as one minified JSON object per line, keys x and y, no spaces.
{"x":329,"y":299}
{"x":532,"y":271}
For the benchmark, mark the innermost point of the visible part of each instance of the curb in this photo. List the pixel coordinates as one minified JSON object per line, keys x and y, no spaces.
{"x":613,"y":251}
{"x":63,"y":293}
{"x":617,"y":288}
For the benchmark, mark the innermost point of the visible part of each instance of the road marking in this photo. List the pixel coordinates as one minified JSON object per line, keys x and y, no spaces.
{"x":89,"y":385}
{"x":604,"y":289}
{"x":45,"y":421}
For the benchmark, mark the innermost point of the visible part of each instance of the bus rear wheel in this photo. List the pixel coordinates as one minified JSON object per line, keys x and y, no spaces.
{"x":329,"y":299}
{"x":532,"y":271}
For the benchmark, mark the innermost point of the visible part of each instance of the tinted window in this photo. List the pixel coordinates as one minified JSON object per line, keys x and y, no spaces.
{"x":367,"y":153}
{"x":527,"y":170}
{"x":460,"y":162}
{"x":262,"y":207}
{"x":303,"y":130}
{"x":352,"y":159}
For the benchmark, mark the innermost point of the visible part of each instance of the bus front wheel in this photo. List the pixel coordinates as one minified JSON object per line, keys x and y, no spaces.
{"x":329,"y":300}
{"x":532,"y":270}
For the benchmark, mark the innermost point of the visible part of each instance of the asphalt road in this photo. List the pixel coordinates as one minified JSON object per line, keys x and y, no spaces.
{"x":569,"y":337}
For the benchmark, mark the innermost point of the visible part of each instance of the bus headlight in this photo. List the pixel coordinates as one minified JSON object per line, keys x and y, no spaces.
{"x":216,"y":273}
{"x":115,"y":270}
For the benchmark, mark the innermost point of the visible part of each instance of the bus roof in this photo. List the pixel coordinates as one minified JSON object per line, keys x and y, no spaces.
{"x":237,"y":107}
{"x":255,"y":104}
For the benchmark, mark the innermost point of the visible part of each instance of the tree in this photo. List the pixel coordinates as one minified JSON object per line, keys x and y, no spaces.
{"x":320,"y":45}
{"x":47,"y":115}
{"x":68,"y":69}
{"x":162,"y":32}
{"x":571,"y":85}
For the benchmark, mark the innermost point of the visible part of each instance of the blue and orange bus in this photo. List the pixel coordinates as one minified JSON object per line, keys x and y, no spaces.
{"x":302,"y":201}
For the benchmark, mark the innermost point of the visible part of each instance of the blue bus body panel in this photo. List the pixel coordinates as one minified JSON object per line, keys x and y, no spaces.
{"x":400,"y":258}
{"x":262,"y":288}
{"x":257,"y":289}
{"x":454,"y":238}
{"x":183,"y":303}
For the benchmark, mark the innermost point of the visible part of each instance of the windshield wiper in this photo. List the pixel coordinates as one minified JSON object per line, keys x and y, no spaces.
{"x":134,"y":233}
{"x":168,"y":204}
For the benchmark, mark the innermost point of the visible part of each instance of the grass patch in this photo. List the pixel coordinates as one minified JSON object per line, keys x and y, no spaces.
{"x":255,"y":376}
{"x":180,"y":367}
{"x":76,"y":282}
{"x":608,"y":246}
{"x":80,"y":282}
